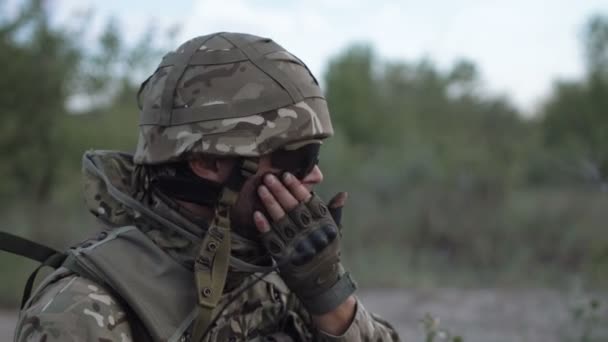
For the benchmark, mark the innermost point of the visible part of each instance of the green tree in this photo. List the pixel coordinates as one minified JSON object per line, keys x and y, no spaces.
{"x":38,"y":66}
{"x":353,"y":95}
{"x":47,"y":69}
{"x":574,"y":117}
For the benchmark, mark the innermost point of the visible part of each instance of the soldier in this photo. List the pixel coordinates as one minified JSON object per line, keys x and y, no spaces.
{"x":213,"y":230}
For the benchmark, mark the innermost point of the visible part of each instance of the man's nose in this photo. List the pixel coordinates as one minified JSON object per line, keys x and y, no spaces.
{"x":315,"y":176}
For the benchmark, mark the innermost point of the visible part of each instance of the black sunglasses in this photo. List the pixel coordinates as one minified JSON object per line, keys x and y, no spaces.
{"x":298,"y":161}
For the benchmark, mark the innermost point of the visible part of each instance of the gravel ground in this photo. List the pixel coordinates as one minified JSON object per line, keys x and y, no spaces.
{"x":489,"y":315}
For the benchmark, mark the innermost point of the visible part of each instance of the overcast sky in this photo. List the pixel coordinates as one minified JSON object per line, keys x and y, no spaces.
{"x":520,"y":46}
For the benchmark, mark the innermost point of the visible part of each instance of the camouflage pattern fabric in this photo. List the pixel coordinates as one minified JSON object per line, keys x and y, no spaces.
{"x":71,"y":308}
{"x":74,"y":309}
{"x":218,"y":103}
{"x":120,"y":171}
{"x":249,"y":136}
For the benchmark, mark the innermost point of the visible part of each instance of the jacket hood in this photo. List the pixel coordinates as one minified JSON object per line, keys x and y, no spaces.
{"x":116,"y":168}
{"x":112,"y":193}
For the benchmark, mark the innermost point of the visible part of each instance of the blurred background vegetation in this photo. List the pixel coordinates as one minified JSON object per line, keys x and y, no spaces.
{"x":449,"y":185}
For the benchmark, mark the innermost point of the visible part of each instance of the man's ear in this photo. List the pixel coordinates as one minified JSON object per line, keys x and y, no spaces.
{"x":205,"y":168}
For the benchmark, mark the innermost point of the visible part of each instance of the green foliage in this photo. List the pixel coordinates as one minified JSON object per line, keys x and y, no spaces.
{"x":35,"y":87}
{"x":587,"y":322}
{"x":574,"y":119}
{"x":46,"y":70}
{"x":450,"y":180}
{"x":436,"y":334}
{"x":354,"y":97}
{"x":596,"y":45}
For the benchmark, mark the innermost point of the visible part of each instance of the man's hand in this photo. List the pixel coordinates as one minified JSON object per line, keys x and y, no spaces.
{"x":303,"y":238}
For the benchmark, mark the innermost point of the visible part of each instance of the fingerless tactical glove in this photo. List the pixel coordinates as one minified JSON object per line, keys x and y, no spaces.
{"x":305,"y":243}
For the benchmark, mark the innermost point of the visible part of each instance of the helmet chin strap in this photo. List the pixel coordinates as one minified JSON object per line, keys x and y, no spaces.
{"x":213,"y":260}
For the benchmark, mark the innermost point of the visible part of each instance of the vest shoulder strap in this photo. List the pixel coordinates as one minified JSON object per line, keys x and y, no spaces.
{"x":26,"y":248}
{"x":45,"y":255}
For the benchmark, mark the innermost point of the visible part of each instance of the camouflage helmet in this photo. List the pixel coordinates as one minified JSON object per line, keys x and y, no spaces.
{"x":228,"y":94}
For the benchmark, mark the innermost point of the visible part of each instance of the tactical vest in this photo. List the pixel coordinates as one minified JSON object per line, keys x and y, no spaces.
{"x":111,"y":262}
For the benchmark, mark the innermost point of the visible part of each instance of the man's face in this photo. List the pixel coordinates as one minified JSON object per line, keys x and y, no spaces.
{"x":218,"y":170}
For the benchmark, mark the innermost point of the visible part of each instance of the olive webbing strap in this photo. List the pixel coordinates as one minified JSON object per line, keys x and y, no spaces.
{"x":207,"y":57}
{"x":54,"y":261}
{"x":213,"y":261}
{"x":211,"y":271}
{"x":182,"y":59}
{"x":140,"y":105}
{"x":266,"y":66}
{"x":247,"y":286}
{"x":218,"y":57}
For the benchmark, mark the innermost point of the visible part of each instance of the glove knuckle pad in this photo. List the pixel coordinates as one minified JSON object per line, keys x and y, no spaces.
{"x":317,"y":207}
{"x":301,"y":216}
{"x":330,"y":231}
{"x":289,"y":232}
{"x":319,"y":239}
{"x":305,"y":252}
{"x":273,"y":243}
{"x":285,"y":229}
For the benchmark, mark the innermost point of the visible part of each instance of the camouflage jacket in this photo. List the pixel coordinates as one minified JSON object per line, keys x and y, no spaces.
{"x":70,"y":307}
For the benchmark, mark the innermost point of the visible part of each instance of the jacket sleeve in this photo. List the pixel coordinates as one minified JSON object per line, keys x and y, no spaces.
{"x":365,"y":327}
{"x":70,"y":310}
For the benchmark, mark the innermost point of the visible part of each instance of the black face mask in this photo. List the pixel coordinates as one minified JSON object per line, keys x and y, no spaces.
{"x":179,"y":182}
{"x":299,"y":162}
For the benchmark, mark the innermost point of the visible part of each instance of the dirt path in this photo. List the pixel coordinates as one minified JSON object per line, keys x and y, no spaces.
{"x":486,"y":315}
{"x":477,"y":315}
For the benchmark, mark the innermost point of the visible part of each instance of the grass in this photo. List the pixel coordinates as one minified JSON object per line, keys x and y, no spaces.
{"x":425,"y":237}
